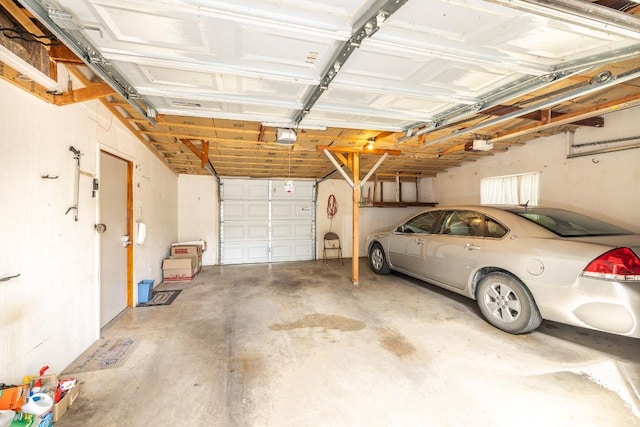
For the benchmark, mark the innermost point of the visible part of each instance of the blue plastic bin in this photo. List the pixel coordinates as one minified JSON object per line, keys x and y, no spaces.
{"x":145,"y":291}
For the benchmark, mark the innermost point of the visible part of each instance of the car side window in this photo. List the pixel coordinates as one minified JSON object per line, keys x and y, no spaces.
{"x":462,"y":223}
{"x":494,"y":228}
{"x":421,"y":223}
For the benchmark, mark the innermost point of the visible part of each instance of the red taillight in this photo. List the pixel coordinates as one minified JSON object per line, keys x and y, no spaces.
{"x":618,"y":264}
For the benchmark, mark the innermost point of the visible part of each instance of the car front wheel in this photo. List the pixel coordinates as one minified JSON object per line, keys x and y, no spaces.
{"x":507,"y":304}
{"x":378,"y":260}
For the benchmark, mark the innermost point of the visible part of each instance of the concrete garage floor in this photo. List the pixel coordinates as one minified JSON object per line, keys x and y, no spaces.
{"x":296,"y":344}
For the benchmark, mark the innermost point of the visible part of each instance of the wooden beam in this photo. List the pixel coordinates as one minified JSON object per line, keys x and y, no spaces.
{"x":358,"y":151}
{"x":62,"y":54}
{"x":501,"y":110}
{"x":355,"y":257}
{"x":204,"y":157}
{"x":569,"y":118}
{"x":343,"y":159}
{"x":23,"y":19}
{"x":545,"y":116}
{"x":120,"y":117}
{"x":383,"y":135}
{"x":192,"y":147}
{"x":454,"y":149}
{"x":19,"y":80}
{"x":94,"y":91}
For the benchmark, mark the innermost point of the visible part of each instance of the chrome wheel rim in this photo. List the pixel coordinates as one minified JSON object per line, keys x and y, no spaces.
{"x":376,"y":258}
{"x":502,"y":302}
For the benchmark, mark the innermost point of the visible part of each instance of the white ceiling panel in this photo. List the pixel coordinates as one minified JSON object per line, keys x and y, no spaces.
{"x":289,"y":60}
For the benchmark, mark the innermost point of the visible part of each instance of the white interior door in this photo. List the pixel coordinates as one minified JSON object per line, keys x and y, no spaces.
{"x":113,"y":250}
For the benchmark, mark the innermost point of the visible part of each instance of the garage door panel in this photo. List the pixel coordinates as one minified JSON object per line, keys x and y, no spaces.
{"x":291,"y":250}
{"x":291,"y":210}
{"x":245,"y":231}
{"x":246,"y":189}
{"x":245,"y":252}
{"x":246,"y":210}
{"x":302,"y":190}
{"x":291,"y":230}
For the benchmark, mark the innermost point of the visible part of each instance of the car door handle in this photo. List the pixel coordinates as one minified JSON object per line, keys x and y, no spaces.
{"x":471,"y":247}
{"x":419,"y":241}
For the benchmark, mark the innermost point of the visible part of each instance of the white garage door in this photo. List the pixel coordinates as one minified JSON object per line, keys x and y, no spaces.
{"x":261,"y":222}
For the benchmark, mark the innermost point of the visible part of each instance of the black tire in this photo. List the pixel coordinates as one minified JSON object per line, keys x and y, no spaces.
{"x":507,"y":304}
{"x":378,"y":260}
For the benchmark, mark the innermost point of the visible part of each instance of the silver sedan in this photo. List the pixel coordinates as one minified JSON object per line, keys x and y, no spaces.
{"x":522,"y":264}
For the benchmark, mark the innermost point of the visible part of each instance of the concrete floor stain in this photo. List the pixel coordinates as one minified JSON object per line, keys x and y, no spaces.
{"x":396,"y":343}
{"x":319,"y":320}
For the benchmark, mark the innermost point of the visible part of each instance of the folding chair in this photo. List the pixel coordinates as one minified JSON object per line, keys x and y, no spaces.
{"x":332,"y":243}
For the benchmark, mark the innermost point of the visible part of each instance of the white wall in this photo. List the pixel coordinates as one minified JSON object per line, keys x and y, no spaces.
{"x":606,"y":186}
{"x":371,"y":219}
{"x":50,"y":314}
{"x":198,"y":209}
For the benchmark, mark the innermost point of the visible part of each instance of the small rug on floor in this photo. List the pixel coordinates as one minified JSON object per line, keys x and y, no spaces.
{"x":105,"y":353}
{"x":161,"y":298}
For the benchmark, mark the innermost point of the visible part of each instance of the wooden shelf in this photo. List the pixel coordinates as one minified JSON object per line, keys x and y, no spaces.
{"x":396,"y":204}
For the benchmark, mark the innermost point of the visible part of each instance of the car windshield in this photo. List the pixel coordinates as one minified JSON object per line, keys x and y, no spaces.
{"x":569,"y":224}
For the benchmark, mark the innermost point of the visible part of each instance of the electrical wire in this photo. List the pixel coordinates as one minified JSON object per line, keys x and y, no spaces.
{"x":32,"y":38}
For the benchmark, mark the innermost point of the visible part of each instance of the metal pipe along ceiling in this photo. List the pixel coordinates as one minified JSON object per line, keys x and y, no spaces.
{"x":595,"y":85}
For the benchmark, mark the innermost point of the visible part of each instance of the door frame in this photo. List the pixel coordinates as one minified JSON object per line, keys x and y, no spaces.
{"x":129,"y":163}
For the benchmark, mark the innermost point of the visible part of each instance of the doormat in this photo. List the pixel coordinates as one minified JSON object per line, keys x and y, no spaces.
{"x":161,"y":298}
{"x":105,"y":353}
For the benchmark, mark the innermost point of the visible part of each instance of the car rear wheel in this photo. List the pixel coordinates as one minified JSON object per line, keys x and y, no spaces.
{"x":378,"y":260}
{"x":507,"y":304}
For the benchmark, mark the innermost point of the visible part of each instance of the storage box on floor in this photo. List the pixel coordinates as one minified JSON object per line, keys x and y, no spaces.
{"x":183,"y":264}
{"x":44,"y":400}
{"x":179,"y":269}
{"x":187,"y":251}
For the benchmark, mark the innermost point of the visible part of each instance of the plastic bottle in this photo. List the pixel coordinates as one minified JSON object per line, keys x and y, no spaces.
{"x":6,"y":417}
{"x":38,"y":404}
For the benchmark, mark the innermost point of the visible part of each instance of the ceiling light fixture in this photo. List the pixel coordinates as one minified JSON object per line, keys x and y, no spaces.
{"x":286,"y":136}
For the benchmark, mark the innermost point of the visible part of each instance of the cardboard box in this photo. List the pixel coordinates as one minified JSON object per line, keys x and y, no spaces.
{"x":186,"y":251}
{"x":13,"y":397}
{"x":179,"y":269}
{"x":60,"y":408}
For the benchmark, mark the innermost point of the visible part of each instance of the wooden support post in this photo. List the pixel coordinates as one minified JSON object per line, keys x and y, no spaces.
{"x":353,"y":162}
{"x":356,"y":216}
{"x":375,"y":188}
{"x":398,"y":187}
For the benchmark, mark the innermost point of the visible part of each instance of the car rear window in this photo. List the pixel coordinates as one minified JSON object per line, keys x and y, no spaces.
{"x":570,"y":224}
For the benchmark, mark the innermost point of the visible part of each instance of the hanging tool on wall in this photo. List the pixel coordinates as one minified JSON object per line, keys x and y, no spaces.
{"x":76,"y":156}
{"x":332,"y":209}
